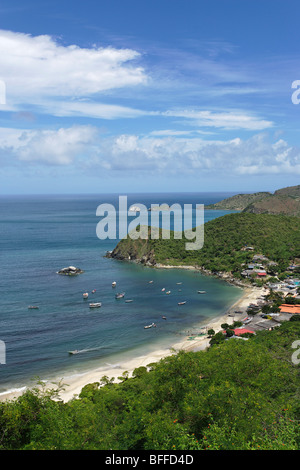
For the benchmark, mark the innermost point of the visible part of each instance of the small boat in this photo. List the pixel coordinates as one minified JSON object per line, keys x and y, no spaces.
{"x":178,"y":283}
{"x":95,"y":305}
{"x":182,"y":303}
{"x":93,"y":291}
{"x":76,"y":351}
{"x":85,"y":295}
{"x":201,"y":292}
{"x":168,"y":292}
{"x":129,"y":300}
{"x":150,"y":282}
{"x":33,"y":307}
{"x":149,"y":326}
{"x":113,"y":284}
{"x":120,"y":295}
{"x":163,"y":289}
{"x":163,"y":317}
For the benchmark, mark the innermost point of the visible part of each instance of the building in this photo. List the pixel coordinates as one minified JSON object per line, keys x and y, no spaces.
{"x":289,"y":308}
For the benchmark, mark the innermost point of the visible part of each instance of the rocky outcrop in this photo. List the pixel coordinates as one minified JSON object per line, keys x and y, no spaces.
{"x":70,"y":271}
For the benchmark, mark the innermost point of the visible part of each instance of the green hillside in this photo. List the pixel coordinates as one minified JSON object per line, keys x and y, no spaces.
{"x":238,"y":202}
{"x":238,"y":395}
{"x":275,"y":236}
{"x":284,"y":201}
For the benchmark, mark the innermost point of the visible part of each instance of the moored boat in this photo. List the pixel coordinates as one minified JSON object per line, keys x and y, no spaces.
{"x":120,"y":295}
{"x":31,"y":307}
{"x":85,"y":295}
{"x":149,"y":326}
{"x":95,"y":305}
{"x":182,"y":303}
{"x":113,"y":284}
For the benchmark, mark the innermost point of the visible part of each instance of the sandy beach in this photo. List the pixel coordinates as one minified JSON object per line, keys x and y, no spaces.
{"x":74,"y":384}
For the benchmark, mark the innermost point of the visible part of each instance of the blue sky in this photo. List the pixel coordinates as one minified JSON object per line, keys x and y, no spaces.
{"x":129,"y":96}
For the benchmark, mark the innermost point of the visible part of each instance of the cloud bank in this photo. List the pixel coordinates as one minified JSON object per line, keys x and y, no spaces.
{"x":84,"y":148}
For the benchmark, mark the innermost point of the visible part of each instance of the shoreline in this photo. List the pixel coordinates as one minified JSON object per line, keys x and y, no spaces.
{"x":73,"y":384}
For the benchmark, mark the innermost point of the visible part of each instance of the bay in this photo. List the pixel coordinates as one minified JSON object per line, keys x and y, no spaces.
{"x":41,"y":234}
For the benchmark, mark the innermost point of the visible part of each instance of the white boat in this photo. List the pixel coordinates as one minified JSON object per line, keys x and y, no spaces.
{"x":93,"y":291}
{"x":201,"y":292}
{"x":128,"y":301}
{"x":85,"y":295}
{"x":163,"y":289}
{"x":168,"y":292}
{"x":95,"y":305}
{"x":74,"y":352}
{"x":113,"y":284}
{"x":182,"y":303}
{"x":149,"y":326}
{"x":120,"y":295}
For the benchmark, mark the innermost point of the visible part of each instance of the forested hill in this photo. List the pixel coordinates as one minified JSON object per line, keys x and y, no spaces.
{"x":283,"y":201}
{"x":238,"y":202}
{"x":225,"y":239}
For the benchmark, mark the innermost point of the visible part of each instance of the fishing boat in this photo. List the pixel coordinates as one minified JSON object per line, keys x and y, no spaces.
{"x":149,"y":326}
{"x":85,"y":295}
{"x":31,"y":307}
{"x":113,"y":284}
{"x":182,"y":303}
{"x":95,"y":305}
{"x":120,"y":295}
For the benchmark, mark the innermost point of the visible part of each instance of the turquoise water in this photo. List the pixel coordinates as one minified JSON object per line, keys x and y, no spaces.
{"x":40,"y":235}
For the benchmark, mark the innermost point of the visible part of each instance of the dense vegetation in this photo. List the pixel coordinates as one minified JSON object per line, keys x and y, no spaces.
{"x":275,"y":236}
{"x":236,"y":395}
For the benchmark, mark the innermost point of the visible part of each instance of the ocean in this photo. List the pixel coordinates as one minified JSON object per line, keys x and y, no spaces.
{"x":40,"y":235}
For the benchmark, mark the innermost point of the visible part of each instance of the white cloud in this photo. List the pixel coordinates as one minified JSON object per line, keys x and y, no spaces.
{"x":171,"y":155}
{"x":50,"y":147}
{"x":86,"y":149}
{"x":225,"y":120}
{"x":35,"y":68}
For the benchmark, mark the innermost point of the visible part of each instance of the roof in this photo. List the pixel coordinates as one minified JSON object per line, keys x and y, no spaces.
{"x":288,"y":308}
{"x":241,"y":331}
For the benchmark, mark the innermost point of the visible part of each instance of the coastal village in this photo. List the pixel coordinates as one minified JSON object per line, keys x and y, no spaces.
{"x":277,"y":299}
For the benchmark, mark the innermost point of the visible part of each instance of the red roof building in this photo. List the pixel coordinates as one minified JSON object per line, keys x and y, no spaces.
{"x":241,"y":331}
{"x":289,"y":308}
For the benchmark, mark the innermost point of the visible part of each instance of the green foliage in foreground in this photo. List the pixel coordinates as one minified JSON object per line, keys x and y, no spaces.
{"x":236,"y":395}
{"x":275,"y":236}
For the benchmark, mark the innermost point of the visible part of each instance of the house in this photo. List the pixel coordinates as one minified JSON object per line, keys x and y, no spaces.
{"x":241,"y":331}
{"x":289,"y":308}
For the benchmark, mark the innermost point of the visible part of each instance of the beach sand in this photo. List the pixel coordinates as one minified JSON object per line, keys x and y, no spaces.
{"x":74,"y":384}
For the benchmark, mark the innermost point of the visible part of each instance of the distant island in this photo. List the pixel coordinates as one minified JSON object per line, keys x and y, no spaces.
{"x":284,"y":201}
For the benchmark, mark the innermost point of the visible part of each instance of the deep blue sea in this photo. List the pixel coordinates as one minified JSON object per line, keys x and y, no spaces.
{"x":40,"y":235}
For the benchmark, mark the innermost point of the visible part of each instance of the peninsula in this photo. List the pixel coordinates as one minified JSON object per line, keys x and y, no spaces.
{"x":284,"y":201}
